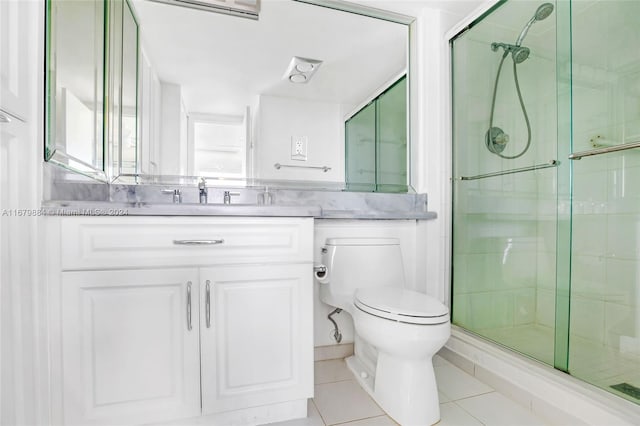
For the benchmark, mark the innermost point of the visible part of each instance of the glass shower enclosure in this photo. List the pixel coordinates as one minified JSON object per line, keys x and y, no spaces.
{"x":546,"y":185}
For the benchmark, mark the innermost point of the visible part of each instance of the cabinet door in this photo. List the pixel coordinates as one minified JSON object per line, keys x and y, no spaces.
{"x":129,"y":354}
{"x":257,"y":348}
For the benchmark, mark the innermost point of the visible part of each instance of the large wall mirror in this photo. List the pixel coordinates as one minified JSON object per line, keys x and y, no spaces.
{"x":305,"y":95}
{"x":92,"y":49}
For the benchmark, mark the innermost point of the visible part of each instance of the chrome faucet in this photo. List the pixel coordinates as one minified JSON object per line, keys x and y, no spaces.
{"x":227,"y":196}
{"x":202,"y":187}
{"x":177,"y":195}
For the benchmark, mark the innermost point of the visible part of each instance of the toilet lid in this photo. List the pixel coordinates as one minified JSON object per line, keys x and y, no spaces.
{"x":401,"y":305}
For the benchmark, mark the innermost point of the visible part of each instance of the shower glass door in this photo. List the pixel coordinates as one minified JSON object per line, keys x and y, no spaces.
{"x":505,"y":169}
{"x":546,"y":189}
{"x":604,"y":347}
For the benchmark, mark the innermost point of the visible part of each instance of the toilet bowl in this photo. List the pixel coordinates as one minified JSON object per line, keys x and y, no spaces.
{"x":397,"y":331}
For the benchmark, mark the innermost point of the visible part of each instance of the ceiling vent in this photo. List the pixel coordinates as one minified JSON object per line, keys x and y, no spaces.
{"x":300,"y":70}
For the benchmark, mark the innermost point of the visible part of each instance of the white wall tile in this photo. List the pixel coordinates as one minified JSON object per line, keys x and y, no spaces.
{"x":545,"y":307}
{"x":587,"y":319}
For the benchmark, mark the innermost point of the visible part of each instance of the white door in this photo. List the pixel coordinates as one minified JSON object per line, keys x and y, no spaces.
{"x":256,"y":335}
{"x":14,"y":47}
{"x":130,"y":346}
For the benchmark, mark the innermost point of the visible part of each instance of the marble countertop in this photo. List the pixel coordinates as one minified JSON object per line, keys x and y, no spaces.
{"x":100,"y":208}
{"x":97,"y":208}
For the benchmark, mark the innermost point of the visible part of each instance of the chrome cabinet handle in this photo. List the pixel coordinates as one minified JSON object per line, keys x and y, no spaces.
{"x":189,"y":325}
{"x":207,"y":304}
{"x":198,"y":242}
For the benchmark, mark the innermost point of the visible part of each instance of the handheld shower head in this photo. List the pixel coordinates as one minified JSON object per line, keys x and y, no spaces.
{"x":542,"y":12}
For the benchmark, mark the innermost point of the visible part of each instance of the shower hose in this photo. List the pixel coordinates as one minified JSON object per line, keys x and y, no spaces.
{"x":524,"y":110}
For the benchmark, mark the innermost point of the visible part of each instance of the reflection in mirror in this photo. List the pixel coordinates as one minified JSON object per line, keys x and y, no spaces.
{"x":225,"y":97}
{"x":75,"y":85}
{"x":129,"y":129}
{"x":376,"y":143}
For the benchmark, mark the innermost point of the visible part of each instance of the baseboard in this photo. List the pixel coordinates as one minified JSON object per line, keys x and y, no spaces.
{"x":323,"y":353}
{"x":253,"y":416}
{"x":550,"y":394}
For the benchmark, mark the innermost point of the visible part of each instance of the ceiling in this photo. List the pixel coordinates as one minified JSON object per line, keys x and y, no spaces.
{"x":223,"y":62}
{"x":415,"y":7}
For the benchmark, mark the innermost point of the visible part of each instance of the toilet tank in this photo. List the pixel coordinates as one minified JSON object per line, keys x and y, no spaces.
{"x":354,"y":263}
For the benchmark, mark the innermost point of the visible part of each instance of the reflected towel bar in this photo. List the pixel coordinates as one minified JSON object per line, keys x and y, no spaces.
{"x":323,"y":168}
{"x":605,"y":150}
{"x":552,"y":163}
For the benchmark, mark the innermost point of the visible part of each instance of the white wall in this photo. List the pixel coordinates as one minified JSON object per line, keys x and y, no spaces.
{"x":150,"y":92}
{"x":432,"y":159}
{"x":173,"y":136}
{"x":281,"y":118}
{"x":404,"y":230}
{"x":23,"y":349}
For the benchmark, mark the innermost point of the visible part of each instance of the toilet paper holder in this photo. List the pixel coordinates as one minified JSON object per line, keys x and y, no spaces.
{"x":319,"y":271}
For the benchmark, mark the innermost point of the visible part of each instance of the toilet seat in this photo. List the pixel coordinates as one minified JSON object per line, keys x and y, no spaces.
{"x":401,"y":305}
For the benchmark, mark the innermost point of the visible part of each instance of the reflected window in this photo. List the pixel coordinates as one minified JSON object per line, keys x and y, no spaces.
{"x":218,"y":146}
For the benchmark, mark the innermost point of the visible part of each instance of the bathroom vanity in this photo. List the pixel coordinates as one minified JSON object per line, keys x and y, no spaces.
{"x":199,"y":319}
{"x":196,"y":307}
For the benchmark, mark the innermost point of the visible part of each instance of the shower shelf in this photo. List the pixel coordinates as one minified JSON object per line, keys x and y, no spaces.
{"x":604,"y":150}
{"x":551,"y":163}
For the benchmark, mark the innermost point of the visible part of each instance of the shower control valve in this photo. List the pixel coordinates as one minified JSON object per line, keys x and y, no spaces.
{"x":502,"y":139}
{"x":496,"y":140}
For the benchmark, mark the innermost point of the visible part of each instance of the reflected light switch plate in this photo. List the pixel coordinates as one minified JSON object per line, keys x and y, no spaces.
{"x":299,"y":148}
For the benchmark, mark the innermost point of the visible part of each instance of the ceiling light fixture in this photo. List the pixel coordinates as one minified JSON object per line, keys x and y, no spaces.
{"x":300,"y":70}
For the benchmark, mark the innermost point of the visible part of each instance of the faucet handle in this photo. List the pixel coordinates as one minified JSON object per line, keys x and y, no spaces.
{"x":227,"y":196}
{"x":177,"y":194}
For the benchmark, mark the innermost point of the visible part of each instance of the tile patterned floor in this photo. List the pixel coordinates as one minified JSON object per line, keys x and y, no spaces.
{"x":464,"y":401}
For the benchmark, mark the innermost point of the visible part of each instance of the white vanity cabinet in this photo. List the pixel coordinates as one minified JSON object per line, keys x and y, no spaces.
{"x":129,"y":355}
{"x":188,"y":320}
{"x":255,"y":350}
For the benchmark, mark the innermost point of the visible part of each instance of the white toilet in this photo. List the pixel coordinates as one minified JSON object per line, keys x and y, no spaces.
{"x":397,"y":331}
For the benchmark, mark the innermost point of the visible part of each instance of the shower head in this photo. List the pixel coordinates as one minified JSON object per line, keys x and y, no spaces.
{"x":520,"y":54}
{"x":542,"y":12}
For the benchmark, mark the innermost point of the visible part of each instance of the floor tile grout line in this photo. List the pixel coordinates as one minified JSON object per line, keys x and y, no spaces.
{"x":466,"y":411}
{"x":335,"y":381}
{"x":360,"y":419}
{"x":324,"y":422}
{"x":479,"y":394}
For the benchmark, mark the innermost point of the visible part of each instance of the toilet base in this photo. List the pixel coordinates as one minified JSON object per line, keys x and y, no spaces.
{"x":419,"y":405}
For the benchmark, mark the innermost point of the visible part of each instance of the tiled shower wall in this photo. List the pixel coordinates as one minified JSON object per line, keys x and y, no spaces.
{"x":606,"y":207}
